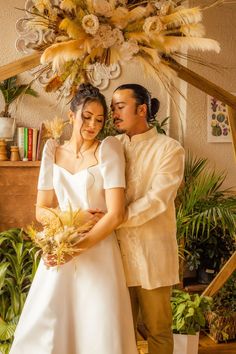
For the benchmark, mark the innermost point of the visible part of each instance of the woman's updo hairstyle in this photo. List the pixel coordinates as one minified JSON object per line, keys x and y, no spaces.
{"x":142,"y":95}
{"x":88,"y":93}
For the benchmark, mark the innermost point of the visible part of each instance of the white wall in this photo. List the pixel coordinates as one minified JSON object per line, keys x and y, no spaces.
{"x":220,"y":23}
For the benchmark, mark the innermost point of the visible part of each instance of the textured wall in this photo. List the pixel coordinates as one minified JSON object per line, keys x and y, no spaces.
{"x":220,"y":25}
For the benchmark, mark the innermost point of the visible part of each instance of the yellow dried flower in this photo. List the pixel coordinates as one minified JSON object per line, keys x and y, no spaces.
{"x":54,"y":128}
{"x":61,"y":232}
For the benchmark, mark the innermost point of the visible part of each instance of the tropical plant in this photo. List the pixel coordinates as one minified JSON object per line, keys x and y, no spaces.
{"x":188,"y":311}
{"x":11,"y":91}
{"x":206,"y":215}
{"x":222,"y":317}
{"x":18,"y":263}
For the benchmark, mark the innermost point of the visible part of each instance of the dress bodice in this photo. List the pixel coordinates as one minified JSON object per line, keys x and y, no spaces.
{"x":86,"y":188}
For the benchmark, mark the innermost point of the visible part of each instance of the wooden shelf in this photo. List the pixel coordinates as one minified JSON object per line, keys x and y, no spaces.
{"x":196,"y":288}
{"x":18,"y":190}
{"x":20,"y":163}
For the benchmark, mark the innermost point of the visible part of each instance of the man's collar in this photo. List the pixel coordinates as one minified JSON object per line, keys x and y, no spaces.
{"x":141,"y":137}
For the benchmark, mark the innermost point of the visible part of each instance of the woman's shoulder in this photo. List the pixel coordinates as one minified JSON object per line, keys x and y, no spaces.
{"x":111,"y":142}
{"x":50,"y":147}
{"x":111,"y":148}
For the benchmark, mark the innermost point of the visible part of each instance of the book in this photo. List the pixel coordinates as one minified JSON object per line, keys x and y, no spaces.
{"x":30,"y":144}
{"x":25,"y":144}
{"x":41,"y":141}
{"x":34,"y":145}
{"x":20,"y":141}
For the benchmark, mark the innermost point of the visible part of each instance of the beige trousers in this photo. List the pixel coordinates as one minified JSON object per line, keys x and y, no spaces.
{"x":156,"y":314}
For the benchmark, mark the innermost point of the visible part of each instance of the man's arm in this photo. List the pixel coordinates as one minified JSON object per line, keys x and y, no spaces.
{"x":167,"y":179}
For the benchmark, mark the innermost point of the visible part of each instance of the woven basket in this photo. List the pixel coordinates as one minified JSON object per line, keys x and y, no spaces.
{"x":221,"y":328}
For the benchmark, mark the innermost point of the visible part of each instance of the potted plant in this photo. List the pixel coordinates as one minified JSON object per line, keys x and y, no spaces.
{"x":188,"y":312}
{"x":206,"y":218}
{"x":11,"y":91}
{"x":221,"y":319}
{"x":18,"y":263}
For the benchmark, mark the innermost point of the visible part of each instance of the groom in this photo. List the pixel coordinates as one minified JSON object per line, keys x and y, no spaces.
{"x":147,"y":237}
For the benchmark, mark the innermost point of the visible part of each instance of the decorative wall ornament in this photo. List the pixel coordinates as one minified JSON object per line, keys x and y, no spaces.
{"x":89,"y":39}
{"x":218,"y":126}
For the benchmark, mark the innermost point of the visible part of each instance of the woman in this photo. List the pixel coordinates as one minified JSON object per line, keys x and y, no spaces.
{"x":82,"y":307}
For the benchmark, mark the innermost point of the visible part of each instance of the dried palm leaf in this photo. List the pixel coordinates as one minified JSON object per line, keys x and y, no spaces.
{"x":138,"y":36}
{"x":153,"y":53}
{"x":191,"y":30}
{"x":183,"y":17}
{"x":68,"y":5}
{"x":73,"y":29}
{"x":173,"y":44}
{"x":60,"y":53}
{"x":138,"y":13}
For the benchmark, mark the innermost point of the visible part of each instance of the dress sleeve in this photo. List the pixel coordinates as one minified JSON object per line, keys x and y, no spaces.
{"x":45,"y":181}
{"x":112,"y":163}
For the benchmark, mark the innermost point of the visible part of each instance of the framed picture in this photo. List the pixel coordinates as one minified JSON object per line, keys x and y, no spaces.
{"x":218,"y":128}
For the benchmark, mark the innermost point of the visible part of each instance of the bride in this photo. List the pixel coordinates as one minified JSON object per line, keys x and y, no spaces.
{"x":82,"y":306}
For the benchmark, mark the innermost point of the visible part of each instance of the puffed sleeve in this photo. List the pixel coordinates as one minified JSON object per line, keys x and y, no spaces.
{"x":112,"y":163}
{"x":45,"y":181}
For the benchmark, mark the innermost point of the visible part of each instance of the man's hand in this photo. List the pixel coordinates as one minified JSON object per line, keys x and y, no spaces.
{"x":96,"y":213}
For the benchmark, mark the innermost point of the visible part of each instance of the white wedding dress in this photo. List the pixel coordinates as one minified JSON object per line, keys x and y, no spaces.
{"x":82,"y":307}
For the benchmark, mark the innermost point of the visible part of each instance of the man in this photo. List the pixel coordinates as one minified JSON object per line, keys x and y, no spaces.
{"x":147,"y":238}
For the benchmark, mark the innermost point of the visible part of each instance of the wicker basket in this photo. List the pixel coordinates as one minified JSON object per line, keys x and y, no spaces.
{"x":221,"y":328}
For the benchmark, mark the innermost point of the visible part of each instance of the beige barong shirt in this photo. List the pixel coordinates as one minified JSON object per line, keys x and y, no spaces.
{"x":154,"y":171}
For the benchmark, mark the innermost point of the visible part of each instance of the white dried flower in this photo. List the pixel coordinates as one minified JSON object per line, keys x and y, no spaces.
{"x":118,"y":35}
{"x":105,"y":37}
{"x":103,"y":8}
{"x":128,"y":49}
{"x":162,"y":6}
{"x":152,"y":25}
{"x":90,"y":24}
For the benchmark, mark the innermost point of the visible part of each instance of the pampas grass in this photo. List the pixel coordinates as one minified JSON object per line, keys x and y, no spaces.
{"x":141,"y":30}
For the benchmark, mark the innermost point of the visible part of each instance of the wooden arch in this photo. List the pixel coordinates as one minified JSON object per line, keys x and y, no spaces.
{"x":33,"y":60}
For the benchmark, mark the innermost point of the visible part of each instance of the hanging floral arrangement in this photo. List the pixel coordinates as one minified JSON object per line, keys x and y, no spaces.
{"x":86,"y":33}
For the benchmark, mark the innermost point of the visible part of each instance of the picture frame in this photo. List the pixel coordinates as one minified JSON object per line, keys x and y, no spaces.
{"x":218,"y":126}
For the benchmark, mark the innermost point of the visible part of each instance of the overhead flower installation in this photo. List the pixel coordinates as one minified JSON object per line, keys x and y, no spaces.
{"x":85,"y":33}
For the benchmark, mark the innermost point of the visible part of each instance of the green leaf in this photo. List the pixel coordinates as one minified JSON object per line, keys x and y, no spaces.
{"x":3,"y":271}
{"x":7,"y":329}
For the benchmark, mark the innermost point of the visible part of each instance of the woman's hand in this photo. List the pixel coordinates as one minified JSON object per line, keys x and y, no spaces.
{"x":51,"y":260}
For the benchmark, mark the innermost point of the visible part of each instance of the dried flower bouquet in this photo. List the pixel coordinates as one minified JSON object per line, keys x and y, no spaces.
{"x":61,"y":232}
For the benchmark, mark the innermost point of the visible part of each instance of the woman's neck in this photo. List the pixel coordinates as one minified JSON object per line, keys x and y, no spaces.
{"x":78,"y":145}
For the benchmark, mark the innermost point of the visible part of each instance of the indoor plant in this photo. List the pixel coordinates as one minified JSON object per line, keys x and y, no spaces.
{"x":221,"y":319}
{"x":188,"y":312}
{"x":11,"y":91}
{"x":206,"y":217}
{"x":18,"y":263}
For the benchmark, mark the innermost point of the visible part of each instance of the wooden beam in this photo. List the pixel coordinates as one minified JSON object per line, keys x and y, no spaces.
{"x":18,"y":66}
{"x":203,"y":84}
{"x":221,"y":277}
